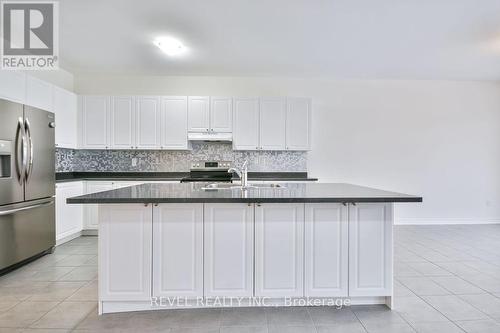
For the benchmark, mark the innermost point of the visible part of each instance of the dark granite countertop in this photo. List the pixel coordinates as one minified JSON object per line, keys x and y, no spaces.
{"x":290,"y":192}
{"x":125,"y":176}
{"x":173,"y":176}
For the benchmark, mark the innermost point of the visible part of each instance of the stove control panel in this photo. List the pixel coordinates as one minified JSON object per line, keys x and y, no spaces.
{"x":210,"y":165}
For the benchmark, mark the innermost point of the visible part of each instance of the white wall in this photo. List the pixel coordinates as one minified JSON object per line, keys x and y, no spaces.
{"x":59,"y":77}
{"x":438,"y":139}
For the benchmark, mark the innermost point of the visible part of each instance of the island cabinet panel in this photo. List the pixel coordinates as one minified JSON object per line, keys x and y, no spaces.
{"x":279,"y":250}
{"x":125,"y":252}
{"x":326,"y":250}
{"x":370,"y":249}
{"x":178,"y":250}
{"x":228,"y":249}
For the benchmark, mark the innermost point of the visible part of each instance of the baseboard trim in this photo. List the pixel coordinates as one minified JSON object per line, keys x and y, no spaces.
{"x":66,"y":239}
{"x":445,"y":221}
{"x":89,"y":232}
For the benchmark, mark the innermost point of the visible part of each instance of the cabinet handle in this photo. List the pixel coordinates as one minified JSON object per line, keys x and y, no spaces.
{"x":258,"y":205}
{"x":257,"y":148}
{"x":132,"y":147}
{"x":249,"y":204}
{"x":145,"y":205}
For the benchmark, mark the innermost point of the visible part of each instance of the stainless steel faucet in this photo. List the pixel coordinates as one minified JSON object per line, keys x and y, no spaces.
{"x":242,"y":173}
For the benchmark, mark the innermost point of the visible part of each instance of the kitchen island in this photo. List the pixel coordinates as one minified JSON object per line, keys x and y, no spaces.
{"x":189,"y":245}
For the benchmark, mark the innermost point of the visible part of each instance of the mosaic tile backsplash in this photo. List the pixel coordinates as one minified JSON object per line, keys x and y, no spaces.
{"x":68,"y":160}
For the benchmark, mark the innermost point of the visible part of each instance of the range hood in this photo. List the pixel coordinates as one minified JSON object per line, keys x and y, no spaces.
{"x":210,"y":136}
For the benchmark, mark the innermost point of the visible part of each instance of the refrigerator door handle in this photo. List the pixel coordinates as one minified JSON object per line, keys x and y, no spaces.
{"x":21,"y":160}
{"x":15,"y":210}
{"x":29,"y":165}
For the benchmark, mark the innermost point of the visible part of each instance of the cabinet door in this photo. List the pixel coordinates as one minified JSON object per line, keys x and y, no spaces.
{"x":69,"y":218}
{"x":122,"y":122}
{"x":13,"y":86}
{"x":279,"y":250}
{"x":90,"y":214}
{"x":65,"y":109}
{"x":198,"y":114}
{"x":326,"y":250}
{"x":174,"y":122}
{"x":228,"y":249}
{"x":221,"y":114}
{"x":148,"y":122}
{"x":272,"y":123}
{"x":125,"y":252}
{"x":298,"y":124}
{"x":370,"y":250}
{"x":246,"y":124}
{"x":38,"y":93}
{"x":178,"y":250}
{"x":95,"y":122}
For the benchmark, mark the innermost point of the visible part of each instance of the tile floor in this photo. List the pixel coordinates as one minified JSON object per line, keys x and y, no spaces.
{"x":447,"y":279}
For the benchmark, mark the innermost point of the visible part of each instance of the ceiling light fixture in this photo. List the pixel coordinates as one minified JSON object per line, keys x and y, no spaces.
{"x":170,"y":46}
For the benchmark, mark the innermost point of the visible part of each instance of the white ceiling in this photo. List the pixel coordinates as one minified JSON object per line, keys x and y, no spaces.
{"x":403,"y":39}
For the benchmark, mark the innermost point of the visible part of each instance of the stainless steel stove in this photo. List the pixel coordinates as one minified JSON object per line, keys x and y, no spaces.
{"x":209,"y":171}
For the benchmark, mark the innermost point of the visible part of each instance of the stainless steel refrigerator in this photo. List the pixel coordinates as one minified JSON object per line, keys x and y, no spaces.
{"x":27,"y":183}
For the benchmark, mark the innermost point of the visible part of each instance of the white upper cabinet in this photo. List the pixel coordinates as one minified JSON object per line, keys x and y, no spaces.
{"x":66,"y":111}
{"x":370,"y":249}
{"x":272,"y":123}
{"x":326,"y":250}
{"x":174,"y":122}
{"x":13,"y":86}
{"x":221,"y":114}
{"x":246,"y":124}
{"x":163,"y":122}
{"x":279,"y":250}
{"x":298,"y":123}
{"x":148,"y":123}
{"x":228,"y":255}
{"x":178,"y":250}
{"x":38,"y":93}
{"x":122,"y":121}
{"x":95,"y":122}
{"x":198,"y":114}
